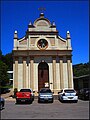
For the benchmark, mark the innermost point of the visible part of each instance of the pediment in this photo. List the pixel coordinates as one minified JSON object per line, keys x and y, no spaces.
{"x":23,"y":41}
{"x":42,"y":22}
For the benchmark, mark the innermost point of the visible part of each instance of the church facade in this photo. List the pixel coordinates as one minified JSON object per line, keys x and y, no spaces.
{"x":42,"y":58}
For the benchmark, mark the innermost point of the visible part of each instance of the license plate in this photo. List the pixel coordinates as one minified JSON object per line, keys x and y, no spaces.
{"x":46,"y":98}
{"x":70,"y":97}
{"x":23,"y":100}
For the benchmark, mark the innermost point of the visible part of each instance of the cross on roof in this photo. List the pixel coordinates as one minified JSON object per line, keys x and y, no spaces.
{"x":41,"y":9}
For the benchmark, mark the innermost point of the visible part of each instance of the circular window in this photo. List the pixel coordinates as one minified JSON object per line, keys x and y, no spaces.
{"x":42,"y":44}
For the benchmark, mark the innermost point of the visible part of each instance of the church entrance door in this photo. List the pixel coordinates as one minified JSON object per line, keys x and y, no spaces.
{"x":43,"y":75}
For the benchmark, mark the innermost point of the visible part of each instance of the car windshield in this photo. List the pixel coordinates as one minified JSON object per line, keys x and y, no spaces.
{"x":45,"y":91}
{"x":25,"y":90}
{"x":86,"y":89}
{"x":69,"y":91}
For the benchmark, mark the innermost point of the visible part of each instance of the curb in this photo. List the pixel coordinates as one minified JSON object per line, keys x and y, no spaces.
{"x":10,"y":99}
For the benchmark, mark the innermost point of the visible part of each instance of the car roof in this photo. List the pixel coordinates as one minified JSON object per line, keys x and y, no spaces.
{"x":26,"y":89}
{"x":68,"y":89}
{"x":45,"y":89}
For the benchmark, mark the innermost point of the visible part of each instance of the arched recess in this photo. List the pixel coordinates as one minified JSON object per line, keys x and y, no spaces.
{"x":43,"y":75}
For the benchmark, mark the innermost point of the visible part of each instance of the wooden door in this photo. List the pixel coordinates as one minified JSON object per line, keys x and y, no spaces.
{"x":43,"y":75}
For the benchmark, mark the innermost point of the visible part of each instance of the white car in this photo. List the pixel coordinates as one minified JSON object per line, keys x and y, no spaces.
{"x":68,"y":95}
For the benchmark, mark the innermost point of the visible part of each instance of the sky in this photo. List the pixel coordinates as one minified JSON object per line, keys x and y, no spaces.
{"x":70,"y":16}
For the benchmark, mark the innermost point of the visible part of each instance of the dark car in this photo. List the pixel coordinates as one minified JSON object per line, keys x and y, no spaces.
{"x":84,"y":94}
{"x":2,"y":103}
{"x":45,"y":95}
{"x":4,"y":90}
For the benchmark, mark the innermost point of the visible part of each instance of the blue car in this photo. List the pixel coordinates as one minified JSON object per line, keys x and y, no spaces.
{"x":45,"y":95}
{"x":2,"y":103}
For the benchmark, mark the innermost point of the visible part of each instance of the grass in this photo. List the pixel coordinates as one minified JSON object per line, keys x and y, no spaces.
{"x":7,"y":86}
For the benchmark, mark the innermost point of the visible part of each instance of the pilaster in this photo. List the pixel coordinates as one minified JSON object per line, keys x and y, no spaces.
{"x":54,"y":73}
{"x":16,"y":73}
{"x":69,"y":73}
{"x":61,"y":74}
{"x":31,"y":73}
{"x":24,"y":72}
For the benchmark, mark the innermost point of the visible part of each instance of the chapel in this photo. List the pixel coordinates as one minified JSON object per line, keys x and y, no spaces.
{"x":42,"y":58}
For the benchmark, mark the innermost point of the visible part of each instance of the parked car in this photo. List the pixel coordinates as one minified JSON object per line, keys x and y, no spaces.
{"x":68,"y":95}
{"x":45,"y":95}
{"x":84,"y":93}
{"x":2,"y":103}
{"x":25,"y":95}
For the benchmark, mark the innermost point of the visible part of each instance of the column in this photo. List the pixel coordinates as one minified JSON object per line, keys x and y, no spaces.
{"x":16,"y":73}
{"x":24,"y":72}
{"x":61,"y":74}
{"x":31,"y":73}
{"x":54,"y":73}
{"x":69,"y":73}
{"x":28,"y":72}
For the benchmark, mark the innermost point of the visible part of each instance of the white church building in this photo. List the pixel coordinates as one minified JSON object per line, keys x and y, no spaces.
{"x":42,"y":58}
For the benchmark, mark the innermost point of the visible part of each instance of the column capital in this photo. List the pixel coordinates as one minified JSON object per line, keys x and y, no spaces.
{"x":54,"y":57}
{"x":61,"y":57}
{"x":15,"y":57}
{"x":69,"y":59}
{"x":31,"y":57}
{"x":24,"y":57}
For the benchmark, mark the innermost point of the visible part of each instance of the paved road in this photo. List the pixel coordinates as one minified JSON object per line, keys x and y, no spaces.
{"x":56,"y":110}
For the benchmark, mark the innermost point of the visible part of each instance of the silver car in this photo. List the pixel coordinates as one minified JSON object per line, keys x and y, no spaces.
{"x":45,"y":95}
{"x":68,"y":95}
{"x":2,"y":103}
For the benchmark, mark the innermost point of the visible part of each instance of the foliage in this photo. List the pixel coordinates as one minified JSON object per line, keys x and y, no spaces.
{"x":81,"y":69}
{"x":6,"y":63}
{"x":3,"y":74}
{"x":7,"y":86}
{"x":8,"y":60}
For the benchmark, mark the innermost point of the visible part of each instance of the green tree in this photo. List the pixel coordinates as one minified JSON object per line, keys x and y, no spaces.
{"x":81,"y":69}
{"x":3,"y":74}
{"x":8,"y":60}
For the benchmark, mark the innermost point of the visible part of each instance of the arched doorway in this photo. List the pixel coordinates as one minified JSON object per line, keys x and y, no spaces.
{"x":43,"y":75}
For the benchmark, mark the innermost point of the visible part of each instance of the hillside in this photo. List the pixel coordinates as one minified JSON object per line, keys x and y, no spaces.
{"x":81,"y":69}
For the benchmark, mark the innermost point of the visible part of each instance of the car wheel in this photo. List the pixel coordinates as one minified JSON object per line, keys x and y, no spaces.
{"x":17,"y":102}
{"x":52,"y":101}
{"x":33,"y":99}
{"x":76,"y":101}
{"x":83,"y":98}
{"x":30,"y":101}
{"x":62,"y":100}
{"x":1,"y":106}
{"x":59,"y":98}
{"x":38,"y":101}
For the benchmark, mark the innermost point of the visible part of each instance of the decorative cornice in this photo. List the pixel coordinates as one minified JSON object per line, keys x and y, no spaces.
{"x":42,"y":53}
{"x":42,"y":32}
{"x":31,"y":26}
